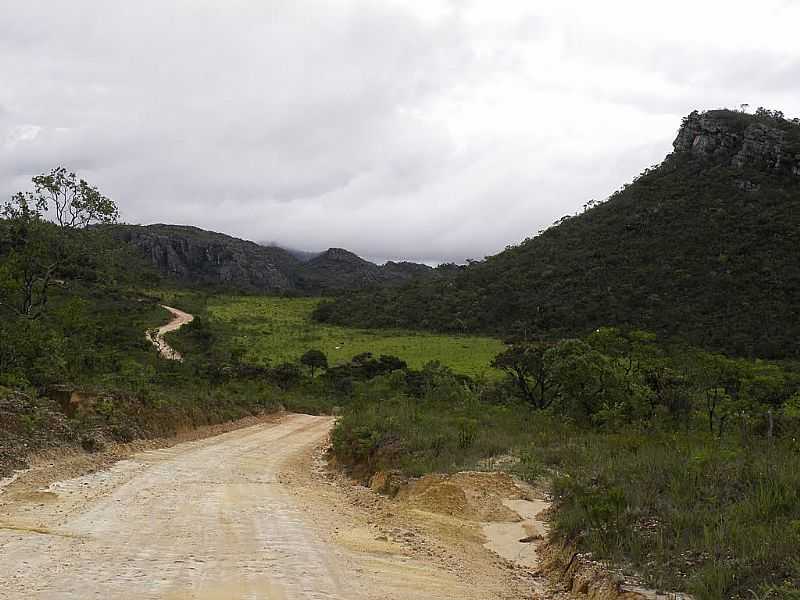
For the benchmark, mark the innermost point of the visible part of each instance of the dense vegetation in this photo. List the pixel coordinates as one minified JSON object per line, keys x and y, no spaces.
{"x":696,"y":248}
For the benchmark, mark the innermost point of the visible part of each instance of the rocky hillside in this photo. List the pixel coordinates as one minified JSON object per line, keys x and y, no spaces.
{"x":761,"y":142}
{"x":704,"y":247}
{"x":197,"y":257}
{"x":340,"y":269}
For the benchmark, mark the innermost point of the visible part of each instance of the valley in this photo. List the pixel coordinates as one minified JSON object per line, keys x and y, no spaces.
{"x":633,"y":370}
{"x":273,"y":330}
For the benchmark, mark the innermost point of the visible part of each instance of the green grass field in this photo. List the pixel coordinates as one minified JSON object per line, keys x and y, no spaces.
{"x":281,"y":329}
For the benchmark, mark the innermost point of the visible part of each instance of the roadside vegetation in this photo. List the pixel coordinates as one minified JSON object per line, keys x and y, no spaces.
{"x":677,"y":463}
{"x":680,"y":464}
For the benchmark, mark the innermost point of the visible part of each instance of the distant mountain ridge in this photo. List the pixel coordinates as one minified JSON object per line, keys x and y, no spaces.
{"x":301,"y":255}
{"x":195,"y":256}
{"x":704,"y":247}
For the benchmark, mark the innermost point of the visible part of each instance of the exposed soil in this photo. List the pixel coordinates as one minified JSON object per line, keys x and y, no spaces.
{"x":510,"y":518}
{"x":587,"y":579}
{"x":64,"y":462}
{"x":255,"y":512}
{"x":251,"y":513}
{"x":519,"y":541}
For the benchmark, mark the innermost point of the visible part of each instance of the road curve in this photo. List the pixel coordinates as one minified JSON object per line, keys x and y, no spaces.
{"x":205,"y":520}
{"x":157,"y":335}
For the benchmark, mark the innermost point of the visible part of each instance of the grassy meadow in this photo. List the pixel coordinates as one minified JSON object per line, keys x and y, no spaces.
{"x":280,"y":329}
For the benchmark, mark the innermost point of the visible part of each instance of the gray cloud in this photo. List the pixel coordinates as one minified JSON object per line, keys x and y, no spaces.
{"x":432,"y":131}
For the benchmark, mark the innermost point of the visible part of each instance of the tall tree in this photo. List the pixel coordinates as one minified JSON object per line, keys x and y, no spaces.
{"x":41,"y":235}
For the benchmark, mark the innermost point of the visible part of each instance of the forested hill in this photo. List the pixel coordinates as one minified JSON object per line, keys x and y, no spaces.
{"x":705,"y":246}
{"x":193,"y":256}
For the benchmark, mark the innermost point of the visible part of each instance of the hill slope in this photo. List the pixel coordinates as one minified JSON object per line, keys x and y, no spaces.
{"x":194,"y":256}
{"x":706,"y":247}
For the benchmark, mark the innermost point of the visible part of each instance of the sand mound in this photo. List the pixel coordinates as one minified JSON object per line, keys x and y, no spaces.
{"x":442,"y":497}
{"x":471,"y":495}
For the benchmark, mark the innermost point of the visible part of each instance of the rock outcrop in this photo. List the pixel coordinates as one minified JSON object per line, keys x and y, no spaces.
{"x":193,"y":255}
{"x":762,"y":142}
{"x":198,"y":257}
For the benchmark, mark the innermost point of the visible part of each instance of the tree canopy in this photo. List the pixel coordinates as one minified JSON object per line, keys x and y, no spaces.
{"x":314,"y":359}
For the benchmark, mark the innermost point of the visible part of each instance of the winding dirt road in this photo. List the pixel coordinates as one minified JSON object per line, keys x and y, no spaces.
{"x":156,"y":336}
{"x":249,"y":514}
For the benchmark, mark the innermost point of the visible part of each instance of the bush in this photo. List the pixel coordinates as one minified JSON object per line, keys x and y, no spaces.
{"x":286,"y":375}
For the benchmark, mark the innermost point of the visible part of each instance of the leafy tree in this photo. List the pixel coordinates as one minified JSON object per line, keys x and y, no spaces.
{"x":72,"y":202}
{"x":670,"y":391}
{"x":531,"y":369}
{"x":367,"y":367}
{"x":36,"y":250}
{"x":362,"y":367}
{"x":314,"y":359}
{"x":719,"y":382}
{"x":587,"y":380}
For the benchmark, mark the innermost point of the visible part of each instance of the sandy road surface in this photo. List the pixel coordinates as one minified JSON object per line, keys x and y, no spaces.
{"x":180,"y":319}
{"x":246,"y":514}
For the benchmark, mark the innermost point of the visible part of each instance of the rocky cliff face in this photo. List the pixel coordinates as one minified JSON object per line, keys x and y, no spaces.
{"x":763,"y":142}
{"x":195,"y":256}
{"x":192,"y":255}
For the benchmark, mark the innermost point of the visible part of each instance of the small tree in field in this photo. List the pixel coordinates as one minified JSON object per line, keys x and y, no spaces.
{"x":314,"y":359}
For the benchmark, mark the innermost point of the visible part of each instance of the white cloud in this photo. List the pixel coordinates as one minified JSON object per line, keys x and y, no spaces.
{"x":430,"y":130}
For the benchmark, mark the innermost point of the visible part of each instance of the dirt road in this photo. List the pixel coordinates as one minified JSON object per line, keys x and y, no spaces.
{"x":249,"y":514}
{"x":180,"y":319}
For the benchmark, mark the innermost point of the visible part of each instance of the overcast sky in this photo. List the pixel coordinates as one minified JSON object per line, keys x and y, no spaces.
{"x":432,"y":130}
